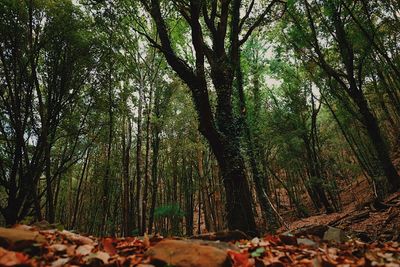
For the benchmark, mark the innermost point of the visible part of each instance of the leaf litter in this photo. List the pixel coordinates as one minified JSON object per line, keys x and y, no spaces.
{"x":63,"y":248}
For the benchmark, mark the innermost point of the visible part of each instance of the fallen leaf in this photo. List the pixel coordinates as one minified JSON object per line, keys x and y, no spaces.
{"x":100,"y":255}
{"x":255,"y":241}
{"x":58,"y":247}
{"x":84,"y":250}
{"x":79,"y":239}
{"x":258,"y":252}
{"x":272,"y":239}
{"x":109,"y":246}
{"x":239,"y":259}
{"x":60,"y":262}
{"x":146,"y":241}
{"x":11,"y":258}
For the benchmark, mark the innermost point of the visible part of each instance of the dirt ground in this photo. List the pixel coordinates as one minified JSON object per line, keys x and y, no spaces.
{"x":360,"y":216}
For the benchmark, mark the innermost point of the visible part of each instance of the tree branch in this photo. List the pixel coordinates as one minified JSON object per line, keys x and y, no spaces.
{"x":259,"y":20}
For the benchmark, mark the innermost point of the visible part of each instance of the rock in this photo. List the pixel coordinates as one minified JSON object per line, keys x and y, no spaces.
{"x":18,"y":238}
{"x":307,"y":242}
{"x":181,"y":253}
{"x":334,"y":234}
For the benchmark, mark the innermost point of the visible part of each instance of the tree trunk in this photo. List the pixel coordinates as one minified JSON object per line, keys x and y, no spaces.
{"x":238,"y":197}
{"x":357,"y":95}
{"x":147,"y":162}
{"x":189,"y":203}
{"x":78,"y":190}
{"x":378,"y":143}
{"x":220,"y":129}
{"x":126,"y":148}
{"x":139,"y":163}
{"x":50,"y":214}
{"x":154,"y":177}
{"x":251,"y":143}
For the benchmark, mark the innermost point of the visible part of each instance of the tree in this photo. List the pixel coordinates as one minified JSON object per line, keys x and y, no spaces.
{"x":215,"y":31}
{"x":328,"y":21}
{"x":44,"y":65}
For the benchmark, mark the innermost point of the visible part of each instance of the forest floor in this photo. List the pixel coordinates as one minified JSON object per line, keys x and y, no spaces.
{"x":364,"y":233}
{"x":361,"y":215}
{"x":30,"y":246}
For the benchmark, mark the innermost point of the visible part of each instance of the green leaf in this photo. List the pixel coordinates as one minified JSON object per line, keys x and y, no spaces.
{"x":258,"y":252}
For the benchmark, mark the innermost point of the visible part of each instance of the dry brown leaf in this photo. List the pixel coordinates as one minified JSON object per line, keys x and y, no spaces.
{"x":79,"y":239}
{"x":58,"y":247}
{"x":146,"y":241}
{"x":100,"y":255}
{"x":108,"y":246}
{"x":60,"y":262}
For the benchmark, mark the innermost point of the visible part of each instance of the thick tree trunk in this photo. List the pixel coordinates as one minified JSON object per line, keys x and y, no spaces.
{"x":10,"y":214}
{"x":239,"y":208}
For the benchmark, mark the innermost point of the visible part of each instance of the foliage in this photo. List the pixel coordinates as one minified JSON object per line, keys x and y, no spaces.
{"x":169,"y":211}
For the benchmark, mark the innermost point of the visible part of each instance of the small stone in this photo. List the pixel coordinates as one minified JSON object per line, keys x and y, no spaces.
{"x":334,"y":234}
{"x":180,"y":253}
